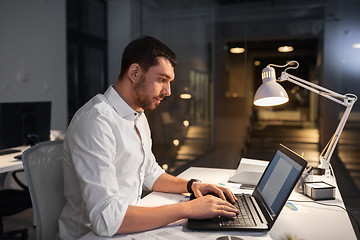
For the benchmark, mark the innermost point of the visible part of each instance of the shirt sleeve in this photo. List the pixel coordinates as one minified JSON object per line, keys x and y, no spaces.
{"x":152,"y":168}
{"x":93,"y":153}
{"x":152,"y":173}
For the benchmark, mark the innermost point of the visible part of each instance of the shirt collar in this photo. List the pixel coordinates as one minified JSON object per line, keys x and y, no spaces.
{"x":120,"y":106}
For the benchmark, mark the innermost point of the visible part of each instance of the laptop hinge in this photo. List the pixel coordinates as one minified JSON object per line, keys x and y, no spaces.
{"x":257,"y":208}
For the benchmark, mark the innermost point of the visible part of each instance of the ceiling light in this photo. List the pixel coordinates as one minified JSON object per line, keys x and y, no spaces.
{"x":285,"y":49}
{"x":165,"y":167}
{"x":356,"y":45}
{"x":185,"y":96}
{"x":257,"y":63}
{"x":176,"y":142}
{"x":237,"y":50}
{"x":186,"y":123}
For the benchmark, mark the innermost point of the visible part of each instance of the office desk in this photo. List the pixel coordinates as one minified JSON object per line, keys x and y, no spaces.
{"x":309,"y":221}
{"x":8,"y":163}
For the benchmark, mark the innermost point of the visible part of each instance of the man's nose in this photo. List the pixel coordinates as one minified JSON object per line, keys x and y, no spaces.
{"x":167,"y":89}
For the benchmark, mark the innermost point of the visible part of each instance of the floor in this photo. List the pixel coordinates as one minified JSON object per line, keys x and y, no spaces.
{"x":20,"y":221}
{"x":261,"y":145}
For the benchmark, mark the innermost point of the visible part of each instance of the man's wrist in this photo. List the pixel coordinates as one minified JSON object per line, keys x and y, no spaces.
{"x":190,"y":183}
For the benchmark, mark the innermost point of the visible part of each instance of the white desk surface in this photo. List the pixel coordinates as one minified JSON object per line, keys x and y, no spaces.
{"x":8,"y":163}
{"x":309,"y":221}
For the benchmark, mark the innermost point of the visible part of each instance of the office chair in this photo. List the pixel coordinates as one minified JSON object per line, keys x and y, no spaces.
{"x":44,"y":175}
{"x":13,"y":201}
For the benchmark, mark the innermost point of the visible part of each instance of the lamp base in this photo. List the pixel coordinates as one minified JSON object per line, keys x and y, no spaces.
{"x":319,"y":191}
{"x":305,"y":177}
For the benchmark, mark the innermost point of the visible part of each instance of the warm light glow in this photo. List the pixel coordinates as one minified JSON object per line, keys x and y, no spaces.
{"x":237,"y":50}
{"x":185,"y":96}
{"x":285,"y":49}
{"x":356,"y":45}
{"x":165,"y":167}
{"x":186,"y":123}
{"x":270,"y":101}
{"x":257,"y":63}
{"x":176,"y":142}
{"x":234,"y":95}
{"x":270,"y":92}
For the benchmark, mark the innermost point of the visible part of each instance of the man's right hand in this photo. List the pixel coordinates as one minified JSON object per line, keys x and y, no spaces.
{"x":208,"y":207}
{"x":146,"y":218}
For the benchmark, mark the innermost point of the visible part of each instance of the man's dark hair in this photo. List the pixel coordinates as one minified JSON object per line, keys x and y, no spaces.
{"x":144,"y":51}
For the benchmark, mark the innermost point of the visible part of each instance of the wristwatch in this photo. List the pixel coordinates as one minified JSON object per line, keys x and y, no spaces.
{"x":190,"y":183}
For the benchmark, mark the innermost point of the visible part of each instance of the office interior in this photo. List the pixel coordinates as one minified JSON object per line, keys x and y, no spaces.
{"x":68,"y":51}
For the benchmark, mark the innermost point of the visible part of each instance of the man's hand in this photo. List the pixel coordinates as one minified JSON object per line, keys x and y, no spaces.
{"x":144,"y":218}
{"x":209,"y":207}
{"x":201,"y":189}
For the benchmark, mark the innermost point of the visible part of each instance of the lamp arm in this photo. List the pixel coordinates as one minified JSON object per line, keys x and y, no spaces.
{"x":334,"y":96}
{"x":327,"y":152}
{"x":346,"y":100}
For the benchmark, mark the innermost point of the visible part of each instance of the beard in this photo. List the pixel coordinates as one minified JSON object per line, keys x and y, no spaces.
{"x":144,"y":101}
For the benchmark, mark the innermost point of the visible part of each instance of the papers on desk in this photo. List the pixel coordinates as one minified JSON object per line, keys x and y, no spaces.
{"x":181,"y":233}
{"x":249,"y":171}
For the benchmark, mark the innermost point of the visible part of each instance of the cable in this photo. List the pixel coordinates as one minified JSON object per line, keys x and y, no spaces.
{"x":281,"y":66}
{"x":331,"y":205}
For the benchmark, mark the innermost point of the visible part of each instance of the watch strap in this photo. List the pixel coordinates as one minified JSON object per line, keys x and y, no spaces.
{"x":190,"y":183}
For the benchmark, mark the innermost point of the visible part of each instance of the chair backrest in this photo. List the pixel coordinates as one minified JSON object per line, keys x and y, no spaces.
{"x":44,"y":175}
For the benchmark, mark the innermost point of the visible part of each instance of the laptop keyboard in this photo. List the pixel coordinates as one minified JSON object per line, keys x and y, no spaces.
{"x":244,"y":218}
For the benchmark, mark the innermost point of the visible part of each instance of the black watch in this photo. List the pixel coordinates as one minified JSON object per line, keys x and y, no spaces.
{"x":190,"y":183}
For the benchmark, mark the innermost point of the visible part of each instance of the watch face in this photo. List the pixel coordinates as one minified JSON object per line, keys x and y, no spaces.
{"x":197,"y":180}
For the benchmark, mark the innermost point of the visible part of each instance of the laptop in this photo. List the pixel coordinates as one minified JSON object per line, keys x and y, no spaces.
{"x":261,"y":208}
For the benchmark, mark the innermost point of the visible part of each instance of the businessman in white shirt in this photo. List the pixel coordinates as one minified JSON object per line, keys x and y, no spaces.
{"x":108,"y":158}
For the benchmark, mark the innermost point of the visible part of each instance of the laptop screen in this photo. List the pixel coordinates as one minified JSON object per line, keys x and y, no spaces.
{"x":279,"y":179}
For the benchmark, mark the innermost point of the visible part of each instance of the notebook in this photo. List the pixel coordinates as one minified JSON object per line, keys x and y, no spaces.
{"x":249,"y":171}
{"x":266,"y":202}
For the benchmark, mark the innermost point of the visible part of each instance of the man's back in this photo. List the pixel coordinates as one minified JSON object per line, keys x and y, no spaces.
{"x":103,"y":156}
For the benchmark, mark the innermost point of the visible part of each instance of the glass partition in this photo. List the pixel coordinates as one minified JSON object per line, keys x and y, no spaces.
{"x":182,"y":126}
{"x":211,"y":103}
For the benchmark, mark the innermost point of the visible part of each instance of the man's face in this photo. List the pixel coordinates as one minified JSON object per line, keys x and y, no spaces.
{"x":154,"y":85}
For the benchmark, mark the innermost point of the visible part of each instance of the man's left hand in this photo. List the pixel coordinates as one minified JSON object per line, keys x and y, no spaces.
{"x":201,"y":189}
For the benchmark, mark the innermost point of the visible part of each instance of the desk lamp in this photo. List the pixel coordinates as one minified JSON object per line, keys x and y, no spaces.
{"x":271,"y":93}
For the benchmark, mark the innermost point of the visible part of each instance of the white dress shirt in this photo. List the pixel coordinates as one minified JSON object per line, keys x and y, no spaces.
{"x":106,"y":166}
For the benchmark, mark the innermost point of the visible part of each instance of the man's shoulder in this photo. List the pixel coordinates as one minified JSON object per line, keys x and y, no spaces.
{"x":98,"y":104}
{"x":95,"y":108}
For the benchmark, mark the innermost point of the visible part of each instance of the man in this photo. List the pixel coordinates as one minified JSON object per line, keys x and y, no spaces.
{"x":108,"y":158}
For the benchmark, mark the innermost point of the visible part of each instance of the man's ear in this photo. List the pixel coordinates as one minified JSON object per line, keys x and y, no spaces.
{"x":134,"y":72}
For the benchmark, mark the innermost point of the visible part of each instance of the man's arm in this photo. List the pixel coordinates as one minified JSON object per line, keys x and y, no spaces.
{"x":168,"y":183}
{"x":144,"y":218}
